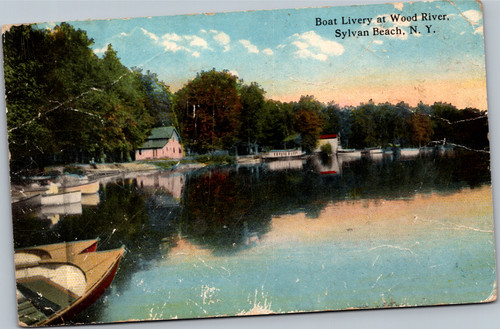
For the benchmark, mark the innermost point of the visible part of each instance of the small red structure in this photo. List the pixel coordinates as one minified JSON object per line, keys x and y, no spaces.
{"x":164,"y":142}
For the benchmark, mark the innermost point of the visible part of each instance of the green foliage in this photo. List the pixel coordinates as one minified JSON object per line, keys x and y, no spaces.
{"x":276,"y":123}
{"x":326,"y":149}
{"x":159,"y":98}
{"x":208,"y":109}
{"x":309,"y":123}
{"x":421,"y":129}
{"x":252,"y":103}
{"x":64,"y":102}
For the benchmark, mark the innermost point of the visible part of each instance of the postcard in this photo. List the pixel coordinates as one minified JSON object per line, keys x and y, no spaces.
{"x":249,"y":163}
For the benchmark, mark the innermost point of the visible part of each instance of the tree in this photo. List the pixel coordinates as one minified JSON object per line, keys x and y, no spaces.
{"x":331,"y":118}
{"x":208,"y":109}
{"x":252,"y":102}
{"x":308,"y":121}
{"x":443,"y":115}
{"x":421,"y":129}
{"x":364,"y":128}
{"x":25,"y":50}
{"x":276,"y":124}
{"x":66,"y":103}
{"x":159,"y":98}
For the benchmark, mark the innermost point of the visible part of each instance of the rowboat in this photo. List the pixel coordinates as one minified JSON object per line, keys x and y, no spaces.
{"x":86,"y":188}
{"x":56,"y":282}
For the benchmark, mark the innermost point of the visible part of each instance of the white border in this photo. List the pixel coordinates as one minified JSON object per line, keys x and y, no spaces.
{"x":482,"y":316}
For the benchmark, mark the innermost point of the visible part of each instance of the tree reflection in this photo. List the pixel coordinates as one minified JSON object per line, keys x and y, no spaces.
{"x":227,"y":210}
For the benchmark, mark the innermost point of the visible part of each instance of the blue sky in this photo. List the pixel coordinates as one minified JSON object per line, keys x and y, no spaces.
{"x":289,"y":56}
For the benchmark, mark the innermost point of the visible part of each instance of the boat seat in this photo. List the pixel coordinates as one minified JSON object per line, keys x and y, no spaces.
{"x":46,"y":296}
{"x":27,"y":313}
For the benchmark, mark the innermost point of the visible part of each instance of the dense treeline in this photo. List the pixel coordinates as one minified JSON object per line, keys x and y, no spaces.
{"x":66,"y":104}
{"x":216,"y":111}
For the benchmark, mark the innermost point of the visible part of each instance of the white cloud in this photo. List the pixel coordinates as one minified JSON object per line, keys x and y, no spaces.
{"x":235,"y":73}
{"x":268,"y":51}
{"x":149,"y":34}
{"x":196,"y":41}
{"x":300,"y":44}
{"x":305,"y":53}
{"x":312,"y":45}
{"x":326,"y":46}
{"x":249,"y":46}
{"x":171,"y":37}
{"x":479,"y":30}
{"x":203,"y":31}
{"x":174,"y":42}
{"x":123,"y":34}
{"x":101,"y":50}
{"x":378,"y":42}
{"x":473,"y":16}
{"x":222,"y":39}
{"x":172,"y":46}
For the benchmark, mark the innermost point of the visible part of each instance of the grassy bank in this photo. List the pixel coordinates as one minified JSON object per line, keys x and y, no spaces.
{"x":205,"y":159}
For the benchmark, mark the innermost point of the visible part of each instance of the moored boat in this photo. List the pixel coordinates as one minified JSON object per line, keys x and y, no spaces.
{"x":56,"y":282}
{"x":60,"y":198}
{"x":349,"y":153}
{"x":26,"y":202}
{"x":409,"y":153}
{"x":86,"y":188}
{"x":283,"y":154}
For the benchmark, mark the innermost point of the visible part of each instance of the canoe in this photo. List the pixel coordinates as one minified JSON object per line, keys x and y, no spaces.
{"x":56,"y":282}
{"x":87,"y":188}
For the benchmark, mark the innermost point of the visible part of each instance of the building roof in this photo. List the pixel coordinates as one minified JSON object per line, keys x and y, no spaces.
{"x":328,"y":136}
{"x":158,"y":138}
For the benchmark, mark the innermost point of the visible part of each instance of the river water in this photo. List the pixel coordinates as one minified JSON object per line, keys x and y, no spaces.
{"x":289,"y":236}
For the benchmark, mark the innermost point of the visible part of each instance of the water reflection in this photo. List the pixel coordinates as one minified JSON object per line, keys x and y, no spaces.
{"x":217,"y":213}
{"x":286,"y":165}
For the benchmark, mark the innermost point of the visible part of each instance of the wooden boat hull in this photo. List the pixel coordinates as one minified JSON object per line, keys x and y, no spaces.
{"x":27,"y":202}
{"x":96,"y":271}
{"x":61,"y":198}
{"x":88,"y":188}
